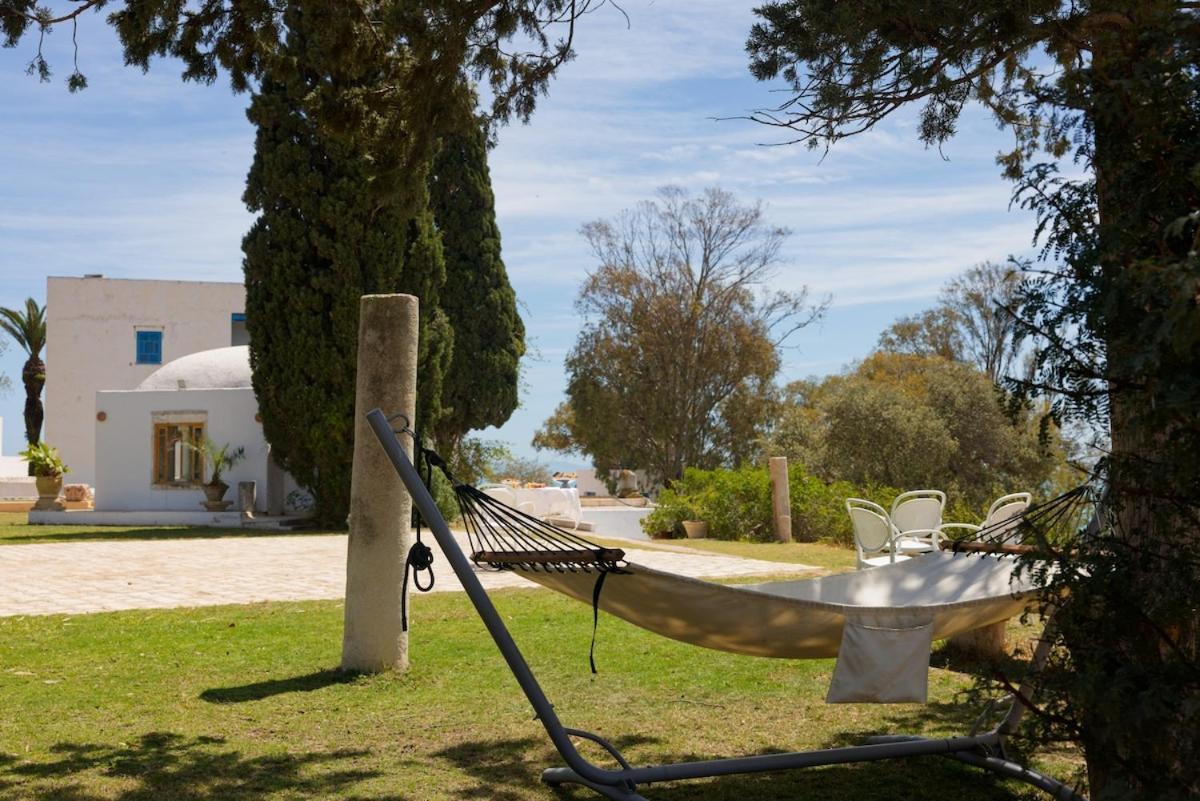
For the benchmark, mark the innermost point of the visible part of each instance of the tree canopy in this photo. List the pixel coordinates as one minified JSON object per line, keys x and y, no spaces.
{"x":1112,"y":89}
{"x":975,"y":321}
{"x":480,"y":387}
{"x":27,"y":328}
{"x":912,"y":421}
{"x":676,"y":361}
{"x":319,"y":243}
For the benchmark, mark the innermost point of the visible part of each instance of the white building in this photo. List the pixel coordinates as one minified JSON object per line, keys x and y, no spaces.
{"x":143,"y":462}
{"x":111,"y":334}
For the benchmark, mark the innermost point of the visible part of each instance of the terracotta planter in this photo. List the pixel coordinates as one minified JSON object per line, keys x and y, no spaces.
{"x":48,"y":488}
{"x":695,"y":529}
{"x":214,"y":492}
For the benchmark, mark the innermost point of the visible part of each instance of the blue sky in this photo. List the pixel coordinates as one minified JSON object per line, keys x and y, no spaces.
{"x":140,"y":176}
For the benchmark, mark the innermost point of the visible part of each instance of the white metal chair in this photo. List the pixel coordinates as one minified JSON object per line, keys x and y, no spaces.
{"x":917,"y":516}
{"x":1003,"y":517}
{"x":873,"y":534}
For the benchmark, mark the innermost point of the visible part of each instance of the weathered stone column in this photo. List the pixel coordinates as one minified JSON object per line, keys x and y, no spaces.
{"x":781,"y":498}
{"x":380,"y":508}
{"x":986,"y":642}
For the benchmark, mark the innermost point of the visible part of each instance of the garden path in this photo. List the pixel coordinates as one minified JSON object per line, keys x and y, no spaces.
{"x":79,"y":577}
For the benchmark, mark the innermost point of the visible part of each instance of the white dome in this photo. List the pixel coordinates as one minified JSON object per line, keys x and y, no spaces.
{"x":222,"y":368}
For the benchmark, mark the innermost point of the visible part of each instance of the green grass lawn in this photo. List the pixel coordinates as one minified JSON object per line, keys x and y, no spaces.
{"x":15,"y":530}
{"x":242,"y":703}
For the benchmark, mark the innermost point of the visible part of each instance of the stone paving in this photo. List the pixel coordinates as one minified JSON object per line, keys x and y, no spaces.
{"x":78,"y":577}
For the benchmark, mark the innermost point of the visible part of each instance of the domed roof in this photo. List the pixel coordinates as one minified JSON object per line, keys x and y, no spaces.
{"x":221,"y":368}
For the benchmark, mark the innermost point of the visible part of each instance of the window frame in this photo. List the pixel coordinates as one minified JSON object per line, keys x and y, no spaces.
{"x":161,"y":446}
{"x":146,"y":355}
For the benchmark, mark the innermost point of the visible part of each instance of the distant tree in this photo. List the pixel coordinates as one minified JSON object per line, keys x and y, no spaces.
{"x":521,"y":468}
{"x":933,"y":332}
{"x":974,"y":321}
{"x":323,"y":239}
{"x":27,"y":327}
{"x":480,"y":387}
{"x":1113,"y":86}
{"x":676,"y":361}
{"x":916,"y":421}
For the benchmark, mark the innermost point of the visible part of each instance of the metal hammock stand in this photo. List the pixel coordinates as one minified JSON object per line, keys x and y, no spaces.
{"x":561,"y":550}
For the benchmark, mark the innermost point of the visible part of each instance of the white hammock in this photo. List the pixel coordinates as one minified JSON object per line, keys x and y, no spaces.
{"x":880,"y":621}
{"x":803,"y":619}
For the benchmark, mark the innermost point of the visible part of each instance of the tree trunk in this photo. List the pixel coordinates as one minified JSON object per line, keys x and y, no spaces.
{"x":1143,"y":641}
{"x":33,"y":375}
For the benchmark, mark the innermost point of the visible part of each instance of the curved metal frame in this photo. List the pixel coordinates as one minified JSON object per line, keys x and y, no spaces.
{"x":982,"y":750}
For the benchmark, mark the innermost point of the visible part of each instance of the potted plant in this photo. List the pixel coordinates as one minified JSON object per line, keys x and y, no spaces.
{"x":48,"y":469}
{"x":220,"y":458}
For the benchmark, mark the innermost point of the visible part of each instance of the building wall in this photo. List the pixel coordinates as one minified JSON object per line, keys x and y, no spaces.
{"x":90,"y":346}
{"x":125,"y":446}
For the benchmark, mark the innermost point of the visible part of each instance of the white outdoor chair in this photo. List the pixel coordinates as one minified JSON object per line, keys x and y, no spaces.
{"x":873,"y":534}
{"x":917,"y":516}
{"x":1002,"y":519}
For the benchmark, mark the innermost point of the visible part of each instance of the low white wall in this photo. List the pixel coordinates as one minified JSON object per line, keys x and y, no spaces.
{"x":17,"y":488}
{"x":125,"y":442}
{"x":12,"y":467}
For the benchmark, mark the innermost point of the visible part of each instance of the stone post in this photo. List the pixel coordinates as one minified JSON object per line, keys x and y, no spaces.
{"x":986,"y":642}
{"x":781,"y":498}
{"x":380,"y":508}
{"x":247,"y":498}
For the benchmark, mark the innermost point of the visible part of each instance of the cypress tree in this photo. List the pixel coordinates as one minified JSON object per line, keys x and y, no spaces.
{"x":480,"y":388}
{"x":332,"y":226}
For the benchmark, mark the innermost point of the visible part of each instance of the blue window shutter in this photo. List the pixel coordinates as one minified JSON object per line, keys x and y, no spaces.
{"x":149,"y":347}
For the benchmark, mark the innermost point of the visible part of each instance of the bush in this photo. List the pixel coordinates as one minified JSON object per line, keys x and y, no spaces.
{"x":736,"y":504}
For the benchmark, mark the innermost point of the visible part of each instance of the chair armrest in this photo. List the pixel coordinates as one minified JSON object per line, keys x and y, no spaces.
{"x":918,"y":533}
{"x":970,"y":528}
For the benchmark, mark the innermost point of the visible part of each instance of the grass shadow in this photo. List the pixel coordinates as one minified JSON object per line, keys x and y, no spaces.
{"x":259,"y":690}
{"x":164,"y":765}
{"x":506,"y":770}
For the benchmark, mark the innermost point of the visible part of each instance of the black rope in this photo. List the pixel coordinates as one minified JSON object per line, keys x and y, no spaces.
{"x":420,"y":555}
{"x":596,"y":617}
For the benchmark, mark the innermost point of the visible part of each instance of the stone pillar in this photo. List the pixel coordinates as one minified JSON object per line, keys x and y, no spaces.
{"x":247,"y":498}
{"x":380,"y":508}
{"x":986,"y":642}
{"x":781,"y":498}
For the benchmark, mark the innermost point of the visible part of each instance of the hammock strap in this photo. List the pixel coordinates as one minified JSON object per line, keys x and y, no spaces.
{"x":596,"y":617}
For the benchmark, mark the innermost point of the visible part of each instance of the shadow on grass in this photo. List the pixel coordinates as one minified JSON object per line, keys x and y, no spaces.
{"x":507,"y":770}
{"x":162,"y":765}
{"x":29,"y":535}
{"x":265,"y":689}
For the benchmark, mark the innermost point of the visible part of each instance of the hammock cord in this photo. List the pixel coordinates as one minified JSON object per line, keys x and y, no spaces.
{"x":1046,"y":527}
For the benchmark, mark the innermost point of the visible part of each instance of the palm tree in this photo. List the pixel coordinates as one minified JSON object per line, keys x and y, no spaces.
{"x":28,"y":328}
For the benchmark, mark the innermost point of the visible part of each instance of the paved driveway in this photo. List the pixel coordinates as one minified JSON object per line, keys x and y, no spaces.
{"x":76,"y":577}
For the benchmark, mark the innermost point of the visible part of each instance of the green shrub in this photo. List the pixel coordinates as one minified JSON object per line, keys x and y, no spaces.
{"x":736,"y":504}
{"x":666,"y":521}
